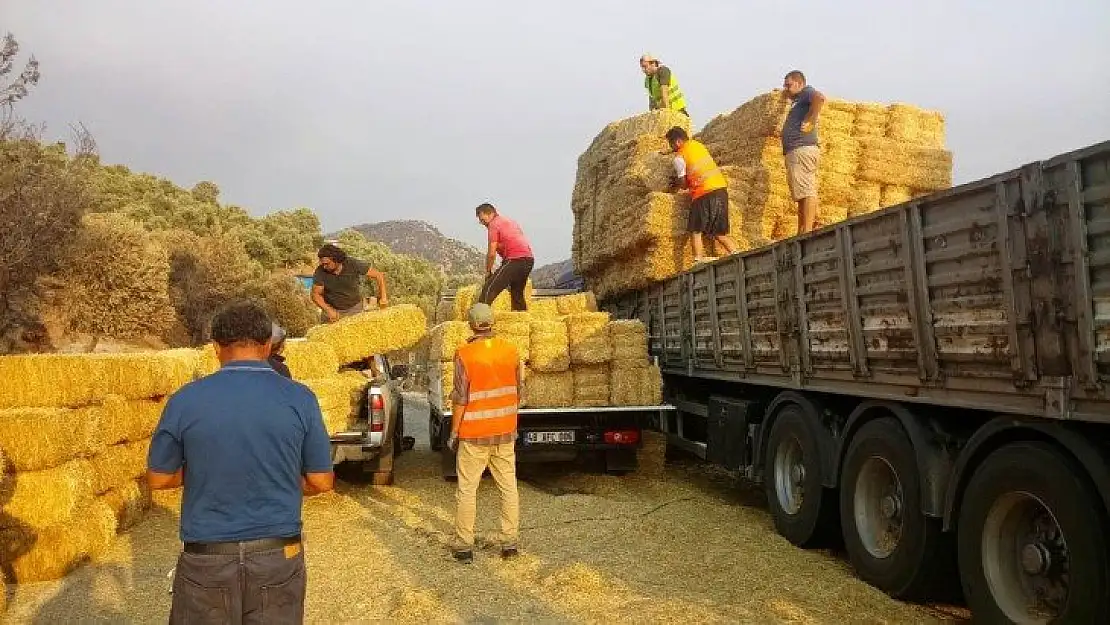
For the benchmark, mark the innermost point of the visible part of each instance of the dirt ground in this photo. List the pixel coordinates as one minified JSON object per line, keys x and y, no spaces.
{"x":678,"y":543}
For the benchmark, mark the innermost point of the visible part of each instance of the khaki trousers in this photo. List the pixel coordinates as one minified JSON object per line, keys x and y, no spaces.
{"x":471,"y":461}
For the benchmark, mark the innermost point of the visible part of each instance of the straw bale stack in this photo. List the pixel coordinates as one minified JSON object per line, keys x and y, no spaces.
{"x":207,"y":361}
{"x":339,"y":396}
{"x":74,"y":380}
{"x":639,"y":386}
{"x":33,"y":439}
{"x":591,"y":385}
{"x":40,"y":499}
{"x":588,"y":336}
{"x":119,"y":464}
{"x":49,"y":553}
{"x":629,"y":233}
{"x":366,"y":334}
{"x":446,"y":338}
{"x":516,"y":328}
{"x":549,"y":346}
{"x":549,"y":390}
{"x":310,"y":359}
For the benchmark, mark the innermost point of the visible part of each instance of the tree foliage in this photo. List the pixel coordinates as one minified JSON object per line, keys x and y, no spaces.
{"x":14,"y":89}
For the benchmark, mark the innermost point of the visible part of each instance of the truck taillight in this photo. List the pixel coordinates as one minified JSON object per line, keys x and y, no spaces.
{"x":622,"y":437}
{"x":377,"y":412}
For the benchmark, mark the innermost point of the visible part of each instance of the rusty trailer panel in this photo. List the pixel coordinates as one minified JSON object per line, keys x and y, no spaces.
{"x":993,"y":295}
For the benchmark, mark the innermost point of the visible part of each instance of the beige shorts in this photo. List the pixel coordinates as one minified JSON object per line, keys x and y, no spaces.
{"x":801,"y":171}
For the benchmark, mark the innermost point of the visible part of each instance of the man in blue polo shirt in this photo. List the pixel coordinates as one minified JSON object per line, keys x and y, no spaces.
{"x":247,"y":444}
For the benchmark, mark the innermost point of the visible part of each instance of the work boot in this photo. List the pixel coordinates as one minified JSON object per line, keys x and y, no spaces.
{"x":465,"y":556}
{"x":509,"y":553}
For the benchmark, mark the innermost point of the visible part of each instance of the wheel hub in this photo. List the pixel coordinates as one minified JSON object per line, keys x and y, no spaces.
{"x":797,"y":474}
{"x":877,"y":507}
{"x":1035,"y":559}
{"x":1025,"y":558}
{"x":790,"y":475}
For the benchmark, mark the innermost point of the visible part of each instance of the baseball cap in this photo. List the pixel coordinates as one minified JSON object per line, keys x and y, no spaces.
{"x":277,"y":334}
{"x":480,"y":315}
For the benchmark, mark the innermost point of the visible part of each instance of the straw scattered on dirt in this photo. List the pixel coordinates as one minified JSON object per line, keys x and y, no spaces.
{"x":672,"y":544}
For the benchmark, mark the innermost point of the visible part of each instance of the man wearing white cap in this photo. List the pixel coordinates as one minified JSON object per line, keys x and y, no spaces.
{"x":662,"y":86}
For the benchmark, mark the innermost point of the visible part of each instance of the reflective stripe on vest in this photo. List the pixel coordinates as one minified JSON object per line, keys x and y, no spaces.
{"x":702,"y":173}
{"x":655,"y":93}
{"x":491,"y":366}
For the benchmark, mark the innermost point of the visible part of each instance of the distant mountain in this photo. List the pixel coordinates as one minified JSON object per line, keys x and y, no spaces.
{"x":419,"y":238}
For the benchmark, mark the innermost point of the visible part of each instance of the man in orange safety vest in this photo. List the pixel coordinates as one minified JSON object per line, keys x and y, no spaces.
{"x":483,"y":429}
{"x":696,"y":170}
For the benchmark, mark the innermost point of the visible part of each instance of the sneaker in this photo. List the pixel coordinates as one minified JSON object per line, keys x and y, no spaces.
{"x":465,"y":556}
{"x":509,"y":552}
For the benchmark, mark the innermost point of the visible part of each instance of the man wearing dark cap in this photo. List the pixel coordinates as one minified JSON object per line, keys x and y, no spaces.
{"x":483,"y":429}
{"x":247,"y":444}
{"x":337,"y":284}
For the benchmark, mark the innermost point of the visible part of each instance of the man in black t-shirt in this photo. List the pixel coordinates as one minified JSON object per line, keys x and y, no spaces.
{"x":337,"y":284}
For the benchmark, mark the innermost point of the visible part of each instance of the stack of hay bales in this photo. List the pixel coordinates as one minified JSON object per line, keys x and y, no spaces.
{"x":340,"y":396}
{"x":75,"y":430}
{"x":872,"y":156}
{"x":630,"y":232}
{"x":580,"y":358}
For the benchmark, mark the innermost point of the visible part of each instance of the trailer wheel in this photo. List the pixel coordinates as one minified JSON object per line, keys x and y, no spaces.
{"x":1032,"y":541}
{"x":803,"y":510}
{"x":890,"y":542}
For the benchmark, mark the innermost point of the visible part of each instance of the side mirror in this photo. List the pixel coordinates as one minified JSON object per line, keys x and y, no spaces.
{"x":399,"y":372}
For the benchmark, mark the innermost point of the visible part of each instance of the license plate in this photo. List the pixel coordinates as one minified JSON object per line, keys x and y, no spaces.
{"x":549,"y":437}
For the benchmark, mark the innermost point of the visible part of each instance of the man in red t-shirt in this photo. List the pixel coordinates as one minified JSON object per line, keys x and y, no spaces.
{"x":507,"y":240}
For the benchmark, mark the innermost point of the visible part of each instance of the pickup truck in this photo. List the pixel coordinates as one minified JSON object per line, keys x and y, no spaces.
{"x":372,"y":443}
{"x":611,"y":434}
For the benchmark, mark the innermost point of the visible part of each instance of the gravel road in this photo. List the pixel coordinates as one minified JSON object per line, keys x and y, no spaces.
{"x":679,"y":543}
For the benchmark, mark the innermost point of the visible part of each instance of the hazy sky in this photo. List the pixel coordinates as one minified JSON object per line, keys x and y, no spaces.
{"x":368,"y":111}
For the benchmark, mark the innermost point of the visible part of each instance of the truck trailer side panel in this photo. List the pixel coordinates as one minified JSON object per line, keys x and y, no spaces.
{"x":994,"y":295}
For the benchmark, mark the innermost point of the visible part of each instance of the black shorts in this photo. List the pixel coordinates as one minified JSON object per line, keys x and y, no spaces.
{"x":709,"y":213}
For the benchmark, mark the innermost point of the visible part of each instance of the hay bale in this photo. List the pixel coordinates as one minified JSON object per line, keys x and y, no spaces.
{"x":550,"y":346}
{"x":361,"y":336}
{"x":33,"y":439}
{"x":762,"y":116}
{"x":74,"y":380}
{"x":895,"y":194}
{"x":636,"y":386}
{"x":544,"y":308}
{"x":45,"y":554}
{"x":591,"y":385}
{"x":124,"y":420}
{"x":446,"y":338}
{"x":630,"y":342}
{"x":576,"y":303}
{"x":516,"y":328}
{"x":40,"y":499}
{"x":207,"y":361}
{"x":916,"y":126}
{"x":129,"y":502}
{"x":441,"y":384}
{"x":588,"y":336}
{"x":310,"y":359}
{"x":867,"y":197}
{"x":549,"y":390}
{"x":119,"y":464}
{"x":891,"y":162}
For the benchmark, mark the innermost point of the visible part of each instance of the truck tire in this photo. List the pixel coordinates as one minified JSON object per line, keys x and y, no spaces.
{"x":803,"y":510}
{"x":1032,"y":540}
{"x":890,"y":542}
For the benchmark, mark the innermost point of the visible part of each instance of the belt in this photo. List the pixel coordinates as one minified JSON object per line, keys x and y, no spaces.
{"x":245,"y":546}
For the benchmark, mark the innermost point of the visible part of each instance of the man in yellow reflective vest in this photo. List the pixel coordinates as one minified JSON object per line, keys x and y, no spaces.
{"x":662,"y":86}
{"x":696,"y":170}
{"x":483,"y":429}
